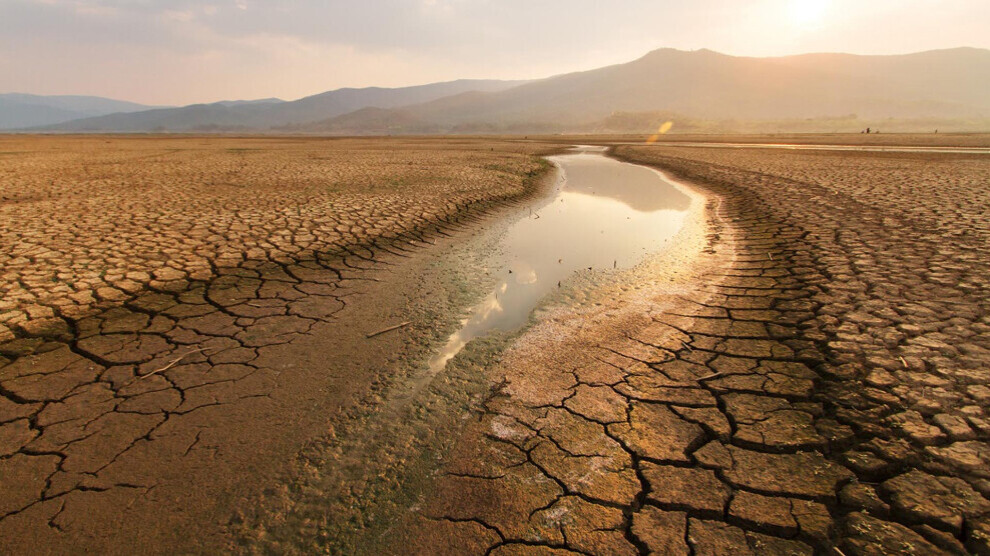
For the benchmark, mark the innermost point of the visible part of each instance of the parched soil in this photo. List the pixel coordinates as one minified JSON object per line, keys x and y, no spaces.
{"x":179,"y":316}
{"x":93,"y":219}
{"x":804,"y":371}
{"x":814,"y":382}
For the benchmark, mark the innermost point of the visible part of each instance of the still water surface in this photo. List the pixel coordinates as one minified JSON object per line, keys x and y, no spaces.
{"x":605,"y":214}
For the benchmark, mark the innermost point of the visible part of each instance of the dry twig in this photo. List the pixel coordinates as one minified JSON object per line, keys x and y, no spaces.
{"x":390,"y":328}
{"x":172,"y":363}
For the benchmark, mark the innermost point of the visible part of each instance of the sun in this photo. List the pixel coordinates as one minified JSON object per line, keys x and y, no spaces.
{"x":807,"y":13}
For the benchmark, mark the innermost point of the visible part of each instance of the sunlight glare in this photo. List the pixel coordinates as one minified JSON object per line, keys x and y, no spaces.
{"x":807,"y":12}
{"x":664,"y":128}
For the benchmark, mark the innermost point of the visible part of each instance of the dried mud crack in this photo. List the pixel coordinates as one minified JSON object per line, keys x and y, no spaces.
{"x":817,"y":385}
{"x":163,"y":355}
{"x":804,"y":371}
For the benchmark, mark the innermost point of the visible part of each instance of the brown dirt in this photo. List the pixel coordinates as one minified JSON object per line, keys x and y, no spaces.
{"x":181,"y":316}
{"x":814,"y":380}
{"x":90,"y":219}
{"x":804,"y":369}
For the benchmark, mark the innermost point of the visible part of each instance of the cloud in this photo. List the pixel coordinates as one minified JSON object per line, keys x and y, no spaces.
{"x":196,"y":50}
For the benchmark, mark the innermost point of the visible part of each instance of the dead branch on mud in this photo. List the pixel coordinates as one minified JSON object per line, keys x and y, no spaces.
{"x":390,"y":328}
{"x":172,"y":363}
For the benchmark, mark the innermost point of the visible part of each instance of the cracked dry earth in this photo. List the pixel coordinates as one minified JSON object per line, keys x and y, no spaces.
{"x":819,"y":387}
{"x":166,"y":308}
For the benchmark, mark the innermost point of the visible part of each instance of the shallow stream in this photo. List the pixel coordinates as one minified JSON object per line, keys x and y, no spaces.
{"x":604,"y":214}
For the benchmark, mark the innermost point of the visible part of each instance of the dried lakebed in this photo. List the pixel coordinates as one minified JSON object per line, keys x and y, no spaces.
{"x":805,"y":370}
{"x":815,"y":386}
{"x":601,"y":220}
{"x":164,"y":357}
{"x":159,"y":419}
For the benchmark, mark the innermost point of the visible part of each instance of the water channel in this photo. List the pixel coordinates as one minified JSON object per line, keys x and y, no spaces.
{"x":604,"y":214}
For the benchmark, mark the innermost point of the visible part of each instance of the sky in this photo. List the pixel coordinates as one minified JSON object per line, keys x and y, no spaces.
{"x":176,"y":52}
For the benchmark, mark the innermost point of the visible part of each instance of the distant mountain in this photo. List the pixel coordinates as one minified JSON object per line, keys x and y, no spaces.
{"x":18,"y":110}
{"x":699,"y":90}
{"x":947,"y":84}
{"x":374,"y":121}
{"x":268,"y":115}
{"x":249,"y":102}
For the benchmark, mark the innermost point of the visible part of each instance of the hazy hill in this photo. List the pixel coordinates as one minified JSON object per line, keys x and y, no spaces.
{"x":23,"y":110}
{"x":373,"y":121}
{"x":944,"y":84}
{"x":230,"y":115}
{"x":702,"y":90}
{"x":249,"y":102}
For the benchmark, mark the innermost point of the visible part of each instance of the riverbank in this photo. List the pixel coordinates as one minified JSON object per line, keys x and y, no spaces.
{"x":881,"y":258}
{"x":548,"y":457}
{"x":147,"y":418}
{"x":818,"y":382}
{"x":602,"y":230}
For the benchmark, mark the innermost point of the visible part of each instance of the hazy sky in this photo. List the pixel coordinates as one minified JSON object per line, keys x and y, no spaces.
{"x":185,"y":51}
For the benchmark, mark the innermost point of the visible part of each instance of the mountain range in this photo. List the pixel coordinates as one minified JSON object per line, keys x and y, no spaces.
{"x":275,"y":114}
{"x":694,"y":88}
{"x":19,"y":110}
